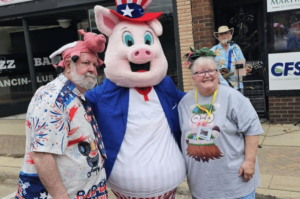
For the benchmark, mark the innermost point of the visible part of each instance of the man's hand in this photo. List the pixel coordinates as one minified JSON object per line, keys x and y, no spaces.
{"x":248,"y":69}
{"x":48,"y":173}
{"x":248,"y":169}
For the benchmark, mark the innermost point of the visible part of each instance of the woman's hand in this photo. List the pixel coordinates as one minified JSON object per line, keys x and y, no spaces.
{"x":248,"y":169}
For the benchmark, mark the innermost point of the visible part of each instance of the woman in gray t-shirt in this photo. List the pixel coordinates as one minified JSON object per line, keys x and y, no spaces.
{"x":220,"y":131}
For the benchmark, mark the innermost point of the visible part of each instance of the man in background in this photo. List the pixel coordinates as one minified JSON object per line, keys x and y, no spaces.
{"x":227,"y":55}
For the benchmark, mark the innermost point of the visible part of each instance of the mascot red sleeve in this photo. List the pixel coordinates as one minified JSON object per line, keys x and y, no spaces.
{"x":136,"y":105}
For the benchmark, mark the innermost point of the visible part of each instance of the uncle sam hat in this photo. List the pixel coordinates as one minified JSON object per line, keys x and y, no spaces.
{"x":134,"y":10}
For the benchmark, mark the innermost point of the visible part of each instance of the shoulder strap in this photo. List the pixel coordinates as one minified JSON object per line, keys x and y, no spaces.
{"x":229,"y":59}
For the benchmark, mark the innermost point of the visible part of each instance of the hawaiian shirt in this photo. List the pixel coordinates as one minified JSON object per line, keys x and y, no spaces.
{"x":60,"y":121}
{"x":224,"y":61}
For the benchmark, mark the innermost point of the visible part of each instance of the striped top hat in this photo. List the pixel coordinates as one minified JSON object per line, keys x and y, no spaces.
{"x":134,"y":10}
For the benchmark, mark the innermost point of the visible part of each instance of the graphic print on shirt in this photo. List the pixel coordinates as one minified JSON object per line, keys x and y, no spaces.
{"x":90,"y":150}
{"x":200,"y":140}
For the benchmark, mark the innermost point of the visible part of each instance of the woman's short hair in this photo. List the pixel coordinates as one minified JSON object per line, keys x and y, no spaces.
{"x":203,"y":61}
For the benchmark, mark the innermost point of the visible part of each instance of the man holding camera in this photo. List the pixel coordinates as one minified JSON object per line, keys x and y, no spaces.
{"x":229,"y":57}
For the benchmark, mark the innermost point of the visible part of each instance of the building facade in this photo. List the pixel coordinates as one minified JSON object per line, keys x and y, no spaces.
{"x":266,"y":30}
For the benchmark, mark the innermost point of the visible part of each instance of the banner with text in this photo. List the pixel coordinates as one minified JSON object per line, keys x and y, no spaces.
{"x":8,"y":2}
{"x":281,"y":5}
{"x":284,"y":71}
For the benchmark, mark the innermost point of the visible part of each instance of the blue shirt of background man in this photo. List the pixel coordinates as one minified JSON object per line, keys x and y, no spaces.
{"x":293,"y":43}
{"x":222,"y":57}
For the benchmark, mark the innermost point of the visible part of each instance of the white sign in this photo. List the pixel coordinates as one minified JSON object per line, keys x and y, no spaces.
{"x":284,"y":71}
{"x":8,"y":2}
{"x":280,"y":5}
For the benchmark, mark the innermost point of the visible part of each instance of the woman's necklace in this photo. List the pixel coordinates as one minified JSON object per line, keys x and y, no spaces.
{"x":211,"y":106}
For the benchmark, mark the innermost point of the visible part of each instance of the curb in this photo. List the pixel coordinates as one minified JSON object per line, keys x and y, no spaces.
{"x":9,"y":175}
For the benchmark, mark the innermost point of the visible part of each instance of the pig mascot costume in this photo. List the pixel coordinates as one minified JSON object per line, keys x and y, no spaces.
{"x":136,"y":106}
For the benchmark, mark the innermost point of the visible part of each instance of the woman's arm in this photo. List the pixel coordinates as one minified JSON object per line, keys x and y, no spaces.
{"x":248,"y":166}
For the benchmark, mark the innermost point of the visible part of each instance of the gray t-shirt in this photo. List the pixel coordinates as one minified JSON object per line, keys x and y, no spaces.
{"x":214,"y":157}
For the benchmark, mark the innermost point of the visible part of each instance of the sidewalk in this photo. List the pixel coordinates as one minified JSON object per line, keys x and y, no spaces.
{"x":278,"y":157}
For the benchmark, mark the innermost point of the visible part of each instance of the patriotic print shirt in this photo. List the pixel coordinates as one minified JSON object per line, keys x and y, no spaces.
{"x":58,"y":123}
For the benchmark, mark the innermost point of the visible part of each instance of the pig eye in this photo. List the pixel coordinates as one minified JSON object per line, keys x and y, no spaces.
{"x":148,"y":38}
{"x":195,"y":118}
{"x":128,"y":39}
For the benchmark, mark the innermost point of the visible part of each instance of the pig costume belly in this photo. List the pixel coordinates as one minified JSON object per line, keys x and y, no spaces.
{"x":155,"y":124}
{"x":149,"y":162}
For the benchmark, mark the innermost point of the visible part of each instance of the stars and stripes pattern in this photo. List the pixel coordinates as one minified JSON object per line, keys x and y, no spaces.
{"x":167,"y":195}
{"x":143,"y":3}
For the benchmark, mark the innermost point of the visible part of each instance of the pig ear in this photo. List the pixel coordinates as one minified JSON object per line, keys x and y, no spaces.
{"x":105,"y":20}
{"x":156,"y":26}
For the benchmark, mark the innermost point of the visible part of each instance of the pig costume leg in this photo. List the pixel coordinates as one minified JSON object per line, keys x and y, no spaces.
{"x":136,"y":106}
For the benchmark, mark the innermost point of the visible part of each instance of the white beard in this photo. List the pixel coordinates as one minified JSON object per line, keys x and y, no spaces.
{"x":87,"y":81}
{"x":224,"y":42}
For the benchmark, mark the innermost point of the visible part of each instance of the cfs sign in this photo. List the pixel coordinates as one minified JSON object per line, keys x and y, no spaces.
{"x":284,"y":69}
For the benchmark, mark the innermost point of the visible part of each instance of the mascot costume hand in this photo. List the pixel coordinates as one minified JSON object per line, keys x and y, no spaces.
{"x":136,"y":105}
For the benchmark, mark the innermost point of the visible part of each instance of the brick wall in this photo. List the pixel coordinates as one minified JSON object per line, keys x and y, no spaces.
{"x":203,"y":22}
{"x":196,"y":26}
{"x":186,"y":38}
{"x":284,"y":109}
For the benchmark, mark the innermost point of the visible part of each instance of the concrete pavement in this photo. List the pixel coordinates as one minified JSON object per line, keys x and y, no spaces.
{"x":278,"y":157}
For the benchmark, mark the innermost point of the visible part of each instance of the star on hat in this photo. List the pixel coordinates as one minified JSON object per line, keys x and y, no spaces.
{"x":128,"y":11}
{"x":134,"y":10}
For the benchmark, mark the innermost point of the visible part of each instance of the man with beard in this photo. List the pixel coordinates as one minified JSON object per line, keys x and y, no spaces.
{"x":228,"y":55}
{"x":64,"y":149}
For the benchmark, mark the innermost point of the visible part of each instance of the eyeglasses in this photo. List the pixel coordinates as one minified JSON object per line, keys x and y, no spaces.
{"x":202,"y":73}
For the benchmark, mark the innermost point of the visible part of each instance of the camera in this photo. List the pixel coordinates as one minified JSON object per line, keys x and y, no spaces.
{"x":238,"y":66}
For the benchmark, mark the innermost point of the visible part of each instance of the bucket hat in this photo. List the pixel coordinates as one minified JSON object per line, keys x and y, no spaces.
{"x":223,"y":29}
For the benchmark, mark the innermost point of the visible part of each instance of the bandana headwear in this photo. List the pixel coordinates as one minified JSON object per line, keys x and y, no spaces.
{"x":134,"y":10}
{"x":195,"y":54}
{"x":92,"y":43}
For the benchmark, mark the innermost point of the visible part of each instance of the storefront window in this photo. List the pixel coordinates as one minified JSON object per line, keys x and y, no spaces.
{"x":15,"y":82}
{"x":285,"y":33}
{"x":15,"y":86}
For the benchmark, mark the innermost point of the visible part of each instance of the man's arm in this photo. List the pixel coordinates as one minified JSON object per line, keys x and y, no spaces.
{"x":248,"y":166}
{"x":48,"y":174}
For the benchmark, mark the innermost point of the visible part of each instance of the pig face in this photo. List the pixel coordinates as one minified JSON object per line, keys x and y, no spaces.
{"x":134,"y":56}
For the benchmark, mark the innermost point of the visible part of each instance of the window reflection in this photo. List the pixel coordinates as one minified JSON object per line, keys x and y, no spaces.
{"x":285,"y":32}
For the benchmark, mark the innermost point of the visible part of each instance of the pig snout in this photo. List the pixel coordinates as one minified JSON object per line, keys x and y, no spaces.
{"x":142,"y":54}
